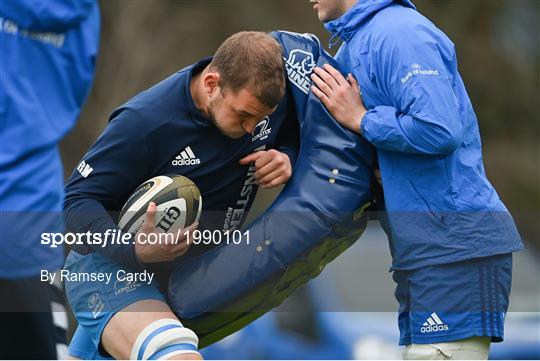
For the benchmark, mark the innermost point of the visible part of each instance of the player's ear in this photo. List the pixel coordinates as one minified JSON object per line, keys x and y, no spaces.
{"x":211,"y":81}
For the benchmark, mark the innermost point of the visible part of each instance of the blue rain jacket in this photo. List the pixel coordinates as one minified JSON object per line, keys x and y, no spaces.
{"x":440,"y":206}
{"x":47,"y":62}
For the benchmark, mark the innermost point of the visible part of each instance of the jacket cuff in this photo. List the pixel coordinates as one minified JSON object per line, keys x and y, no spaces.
{"x":364,"y":130}
{"x":131,"y":256}
{"x":122,"y":253}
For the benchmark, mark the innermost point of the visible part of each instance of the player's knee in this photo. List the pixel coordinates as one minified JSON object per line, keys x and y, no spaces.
{"x":474,"y":348}
{"x":164,"y":339}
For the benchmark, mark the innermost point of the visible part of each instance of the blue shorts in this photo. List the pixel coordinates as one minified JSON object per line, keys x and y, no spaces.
{"x":454,"y":301}
{"x":95,"y":301}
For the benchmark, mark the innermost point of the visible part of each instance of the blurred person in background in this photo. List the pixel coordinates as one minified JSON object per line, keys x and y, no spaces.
{"x":451,"y":237}
{"x":48,"y":51}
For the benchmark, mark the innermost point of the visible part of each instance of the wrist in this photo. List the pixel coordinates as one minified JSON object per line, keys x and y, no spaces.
{"x":133,"y":256}
{"x":355,"y":122}
{"x":362,"y":115}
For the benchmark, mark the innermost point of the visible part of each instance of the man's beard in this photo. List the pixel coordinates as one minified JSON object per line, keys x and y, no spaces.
{"x":212,"y":105}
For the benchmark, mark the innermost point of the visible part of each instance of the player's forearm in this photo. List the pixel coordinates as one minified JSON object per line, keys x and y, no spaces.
{"x":388,"y":129}
{"x":84,"y":215}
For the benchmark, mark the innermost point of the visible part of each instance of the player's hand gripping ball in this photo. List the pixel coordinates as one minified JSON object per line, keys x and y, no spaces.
{"x":163,"y":204}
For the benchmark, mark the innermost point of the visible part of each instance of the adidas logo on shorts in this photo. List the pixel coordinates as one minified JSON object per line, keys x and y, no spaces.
{"x":433,"y":324}
{"x":186,"y":157}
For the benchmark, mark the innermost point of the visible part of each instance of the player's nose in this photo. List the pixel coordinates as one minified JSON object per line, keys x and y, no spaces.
{"x":249,"y":126}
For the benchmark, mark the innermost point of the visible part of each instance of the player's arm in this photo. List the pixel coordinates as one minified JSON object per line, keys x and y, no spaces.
{"x":421,"y":115}
{"x":47,"y":15}
{"x":115,"y":165}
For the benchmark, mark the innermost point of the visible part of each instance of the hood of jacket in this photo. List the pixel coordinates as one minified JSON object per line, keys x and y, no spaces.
{"x":344,"y":26}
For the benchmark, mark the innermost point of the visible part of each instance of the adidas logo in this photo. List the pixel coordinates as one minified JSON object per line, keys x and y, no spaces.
{"x":186,"y":157}
{"x":433,"y":324}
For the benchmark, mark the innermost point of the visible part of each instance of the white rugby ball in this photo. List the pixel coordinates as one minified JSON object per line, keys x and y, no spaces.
{"x":178,"y":201}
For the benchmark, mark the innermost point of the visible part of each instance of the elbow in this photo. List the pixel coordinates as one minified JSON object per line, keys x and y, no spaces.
{"x":69,"y":200}
{"x":67,"y":204}
{"x":450,"y":141}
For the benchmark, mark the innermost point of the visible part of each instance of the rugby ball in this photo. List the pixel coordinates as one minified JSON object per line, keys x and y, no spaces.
{"x":178,"y":201}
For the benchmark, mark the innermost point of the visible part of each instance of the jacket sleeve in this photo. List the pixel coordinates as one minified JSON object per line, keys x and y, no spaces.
{"x":113,"y":167}
{"x":421,"y":114}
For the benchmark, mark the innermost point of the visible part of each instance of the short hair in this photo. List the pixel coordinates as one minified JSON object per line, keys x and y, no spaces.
{"x":253,"y":60}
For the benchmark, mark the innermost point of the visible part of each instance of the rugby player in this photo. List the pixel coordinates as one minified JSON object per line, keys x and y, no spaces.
{"x":209,"y":111}
{"x":451,"y":236}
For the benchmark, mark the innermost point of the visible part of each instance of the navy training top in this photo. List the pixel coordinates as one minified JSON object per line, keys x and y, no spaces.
{"x":147,"y":136}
